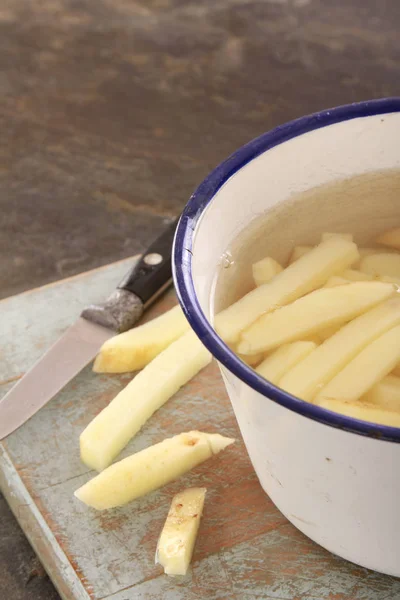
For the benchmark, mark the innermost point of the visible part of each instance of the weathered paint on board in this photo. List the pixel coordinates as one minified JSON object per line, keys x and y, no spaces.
{"x":246,"y":549}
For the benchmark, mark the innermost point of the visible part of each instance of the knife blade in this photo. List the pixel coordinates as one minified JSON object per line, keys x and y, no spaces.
{"x":82,"y":340}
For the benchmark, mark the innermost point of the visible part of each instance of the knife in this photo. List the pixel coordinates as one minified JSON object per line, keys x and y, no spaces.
{"x":81,"y":342}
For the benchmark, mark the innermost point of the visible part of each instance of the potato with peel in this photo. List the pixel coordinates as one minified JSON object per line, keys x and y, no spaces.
{"x":134,"y":349}
{"x":332,"y":355}
{"x":265,"y":269}
{"x":384,"y":394}
{"x":306,"y":274}
{"x":177,"y":539}
{"x":318,"y":310}
{"x":380,"y":265}
{"x":364,"y":412}
{"x":283,"y":359}
{"x":150,"y":469}
{"x":366,"y":369}
{"x":110,"y":431}
{"x":390,"y":238}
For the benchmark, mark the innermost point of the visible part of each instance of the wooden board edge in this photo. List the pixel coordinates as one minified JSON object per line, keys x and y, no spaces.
{"x":38,"y":532}
{"x":73,"y":277}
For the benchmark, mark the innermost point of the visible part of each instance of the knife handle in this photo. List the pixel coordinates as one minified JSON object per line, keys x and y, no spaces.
{"x":150,"y":276}
{"x":142,"y":285}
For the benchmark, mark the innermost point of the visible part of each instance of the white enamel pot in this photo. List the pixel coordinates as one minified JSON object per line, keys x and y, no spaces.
{"x":337,"y":479}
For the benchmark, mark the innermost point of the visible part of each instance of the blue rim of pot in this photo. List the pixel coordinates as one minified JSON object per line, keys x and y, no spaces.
{"x":183,"y":250}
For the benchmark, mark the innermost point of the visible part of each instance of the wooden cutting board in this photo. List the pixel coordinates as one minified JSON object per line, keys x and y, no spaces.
{"x":246,"y":549}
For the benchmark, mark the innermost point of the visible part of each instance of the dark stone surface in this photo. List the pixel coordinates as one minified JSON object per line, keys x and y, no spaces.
{"x":112,"y":111}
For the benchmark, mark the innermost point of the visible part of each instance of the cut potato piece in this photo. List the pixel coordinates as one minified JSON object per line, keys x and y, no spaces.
{"x":344,"y":236}
{"x":298,"y":252}
{"x":385,"y":394}
{"x":264,"y":270}
{"x":306,"y":274}
{"x":177,"y":539}
{"x":318,"y":310}
{"x":132,"y":350}
{"x":390,"y":238}
{"x":328,"y":332}
{"x":365,"y":370}
{"x":329,"y":358}
{"x":387,"y":279}
{"x":252,"y":360}
{"x":283,"y":359}
{"x":396,"y":370}
{"x":150,"y":469}
{"x":335,"y":280}
{"x":367,"y":252}
{"x":380,"y":265}
{"x":354,"y":275}
{"x":363,"y":412}
{"x":109,"y":432}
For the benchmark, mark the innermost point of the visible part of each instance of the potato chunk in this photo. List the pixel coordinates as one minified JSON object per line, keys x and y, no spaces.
{"x":364,"y":412}
{"x":150,"y":469}
{"x":265,"y":269}
{"x":318,"y":310}
{"x":365,"y":370}
{"x":385,"y":394}
{"x":177,"y":539}
{"x":354,"y":275}
{"x":380,"y":265}
{"x":390,"y":238}
{"x":283,"y":359}
{"x":329,"y":358}
{"x":134,"y":349}
{"x":110,"y":431}
{"x":306,"y":274}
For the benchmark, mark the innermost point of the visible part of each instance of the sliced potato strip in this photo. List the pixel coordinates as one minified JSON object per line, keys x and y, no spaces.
{"x":309,"y":314}
{"x":390,"y":238}
{"x":383,"y":264}
{"x":354,"y":275}
{"x":134,"y":349}
{"x":385,"y":394}
{"x":298,"y":252}
{"x":328,"y":332}
{"x":283,"y":359}
{"x":306,"y":274}
{"x":364,"y":412}
{"x":177,"y":539}
{"x":109,"y":432}
{"x":344,"y":236}
{"x":265,"y":269}
{"x":150,"y":469}
{"x":329,"y":358}
{"x":365,"y":370}
{"x":335,"y":280}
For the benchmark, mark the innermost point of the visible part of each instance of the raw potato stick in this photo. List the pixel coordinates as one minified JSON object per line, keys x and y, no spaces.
{"x":385,"y":394}
{"x":150,"y":469}
{"x":345,"y":236}
{"x":283,"y":359}
{"x":109,"y":432}
{"x":177,"y":539}
{"x":306,"y":274}
{"x":265,"y":269}
{"x":365,"y":370}
{"x":134,"y":349}
{"x":329,"y":358}
{"x":363,"y":412}
{"x":318,"y":310}
{"x":380,"y":265}
{"x":298,"y":252}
